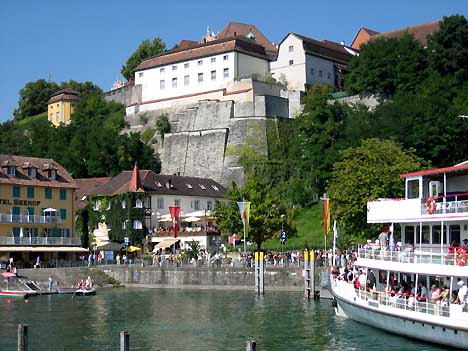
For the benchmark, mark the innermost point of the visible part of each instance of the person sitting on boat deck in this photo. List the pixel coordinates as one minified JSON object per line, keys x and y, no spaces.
{"x":445,"y":296}
{"x":465,"y":245}
{"x":462,"y":292}
{"x":435,"y":293}
{"x":422,"y":294}
{"x":89,"y":283}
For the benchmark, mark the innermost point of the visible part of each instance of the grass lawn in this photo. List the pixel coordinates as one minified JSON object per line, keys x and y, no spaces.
{"x":309,"y":224}
{"x":25,"y":122}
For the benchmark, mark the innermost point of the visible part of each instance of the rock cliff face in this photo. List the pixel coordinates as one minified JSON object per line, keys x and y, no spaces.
{"x":207,"y":136}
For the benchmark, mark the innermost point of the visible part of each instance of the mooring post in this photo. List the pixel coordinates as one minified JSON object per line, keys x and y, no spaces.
{"x":259,"y":272}
{"x":251,"y":345}
{"x":22,"y":337}
{"x":309,"y":274}
{"x":124,"y":341}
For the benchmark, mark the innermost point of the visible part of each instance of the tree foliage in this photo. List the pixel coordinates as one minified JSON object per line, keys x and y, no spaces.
{"x":146,"y":49}
{"x":386,"y":65}
{"x":33,"y":98}
{"x":367,"y":172}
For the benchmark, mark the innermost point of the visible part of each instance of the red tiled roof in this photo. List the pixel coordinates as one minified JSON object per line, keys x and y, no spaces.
{"x":461,"y":167}
{"x":234,"y":29}
{"x":86,"y":187}
{"x":362,"y":37}
{"x":239,"y":44}
{"x":186,"y":43}
{"x":63,"y":179}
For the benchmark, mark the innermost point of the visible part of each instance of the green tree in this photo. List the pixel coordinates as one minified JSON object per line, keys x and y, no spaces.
{"x":33,"y":98}
{"x":367,"y":172}
{"x":83,"y":88}
{"x":163,"y":125}
{"x":146,"y":49}
{"x":386,"y":65}
{"x":448,"y":48}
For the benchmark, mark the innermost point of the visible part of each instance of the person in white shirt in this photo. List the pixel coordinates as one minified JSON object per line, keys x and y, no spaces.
{"x":462,"y":293}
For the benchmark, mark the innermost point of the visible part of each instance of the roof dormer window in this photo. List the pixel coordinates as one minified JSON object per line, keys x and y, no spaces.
{"x":215,"y":187}
{"x":202,"y":186}
{"x":158,"y":184}
{"x":31,"y":172}
{"x":52,"y":173}
{"x":188,"y":185}
{"x":11,"y":171}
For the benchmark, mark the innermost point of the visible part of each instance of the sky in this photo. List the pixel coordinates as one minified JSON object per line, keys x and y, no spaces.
{"x":90,"y":40}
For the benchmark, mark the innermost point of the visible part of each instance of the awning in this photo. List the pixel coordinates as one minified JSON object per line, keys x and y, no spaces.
{"x":49,"y":210}
{"x":165,"y":243}
{"x":192,"y":219}
{"x":110,"y":247}
{"x":42,"y":249}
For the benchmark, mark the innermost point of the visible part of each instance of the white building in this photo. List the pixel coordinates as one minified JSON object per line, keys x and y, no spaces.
{"x":304,"y":61}
{"x":198,"y":70}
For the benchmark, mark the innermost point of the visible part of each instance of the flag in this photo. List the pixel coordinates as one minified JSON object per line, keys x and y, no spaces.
{"x":244,"y":209}
{"x":335,"y":230}
{"x":175,"y":213}
{"x":326,"y":216}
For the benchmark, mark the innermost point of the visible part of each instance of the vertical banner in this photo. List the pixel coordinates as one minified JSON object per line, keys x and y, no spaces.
{"x":244,"y":209}
{"x":175,"y":214}
{"x":326,"y":216}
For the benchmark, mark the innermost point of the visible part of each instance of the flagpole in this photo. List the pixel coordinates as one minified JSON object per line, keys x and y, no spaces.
{"x":245,"y":244}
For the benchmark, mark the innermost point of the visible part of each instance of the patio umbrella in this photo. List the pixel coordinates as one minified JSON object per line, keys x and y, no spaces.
{"x":50,"y":209}
{"x":192,"y":219}
{"x":133,"y":249}
{"x":165,"y":220}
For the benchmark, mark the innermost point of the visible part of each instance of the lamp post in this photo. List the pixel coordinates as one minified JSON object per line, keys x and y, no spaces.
{"x":157,"y":221}
{"x":282,"y":229}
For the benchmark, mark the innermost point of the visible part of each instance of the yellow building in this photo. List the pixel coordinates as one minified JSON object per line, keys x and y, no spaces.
{"x":36,"y":211}
{"x":61,"y":105}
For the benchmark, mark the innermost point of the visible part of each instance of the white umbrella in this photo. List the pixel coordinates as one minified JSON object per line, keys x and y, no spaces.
{"x":50,"y":209}
{"x":192,"y":219}
{"x":21,"y":232}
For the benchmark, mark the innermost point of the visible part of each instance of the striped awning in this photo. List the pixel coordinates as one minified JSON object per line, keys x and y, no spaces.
{"x":42,"y":249}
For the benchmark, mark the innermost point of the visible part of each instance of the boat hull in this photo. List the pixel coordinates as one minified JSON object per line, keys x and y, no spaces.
{"x":85,"y":292}
{"x":14,"y":294}
{"x":424,"y":331}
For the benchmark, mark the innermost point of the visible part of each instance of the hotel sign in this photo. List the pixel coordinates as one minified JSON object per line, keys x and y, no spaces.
{"x":18,"y":202}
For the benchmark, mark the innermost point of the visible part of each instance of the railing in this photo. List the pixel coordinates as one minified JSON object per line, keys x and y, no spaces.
{"x":32,"y":219}
{"x":409,"y":254}
{"x":40,"y":241}
{"x":441,"y":205}
{"x":408,"y":303}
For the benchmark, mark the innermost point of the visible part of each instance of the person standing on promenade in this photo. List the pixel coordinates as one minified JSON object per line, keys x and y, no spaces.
{"x":50,"y":283}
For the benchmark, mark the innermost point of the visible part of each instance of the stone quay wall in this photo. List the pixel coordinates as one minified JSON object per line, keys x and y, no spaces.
{"x":228,"y":278}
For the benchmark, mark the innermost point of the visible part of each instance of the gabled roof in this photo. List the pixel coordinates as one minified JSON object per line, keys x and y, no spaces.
{"x":63,"y":179}
{"x":326,"y":49}
{"x":363,"y":35}
{"x":219,"y":46}
{"x":163,"y":184}
{"x":420,"y":32}
{"x":86,"y":187}
{"x":234,"y":29}
{"x":64,"y":95}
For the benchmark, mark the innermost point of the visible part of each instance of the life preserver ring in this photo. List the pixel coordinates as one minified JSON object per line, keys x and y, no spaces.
{"x":460,"y":256}
{"x":431,"y":205}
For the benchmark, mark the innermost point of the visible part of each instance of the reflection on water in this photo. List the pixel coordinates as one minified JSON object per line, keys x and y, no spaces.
{"x":189,"y":320}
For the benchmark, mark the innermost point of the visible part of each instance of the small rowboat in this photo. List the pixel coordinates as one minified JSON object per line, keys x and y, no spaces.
{"x":14,"y":294}
{"x":85,"y":292}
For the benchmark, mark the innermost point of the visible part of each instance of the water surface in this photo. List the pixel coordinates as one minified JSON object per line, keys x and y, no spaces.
{"x":181,"y":320}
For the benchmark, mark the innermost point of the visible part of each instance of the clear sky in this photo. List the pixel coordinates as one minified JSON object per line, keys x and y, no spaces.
{"x":91,"y":39}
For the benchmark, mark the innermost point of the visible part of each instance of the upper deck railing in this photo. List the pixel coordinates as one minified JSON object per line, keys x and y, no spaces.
{"x":6,"y":218}
{"x":39,"y":241}
{"x":427,"y":254}
{"x":447,"y":204}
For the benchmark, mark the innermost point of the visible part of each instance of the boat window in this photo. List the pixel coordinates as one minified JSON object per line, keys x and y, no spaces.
{"x":436,"y":234}
{"x":412,"y":189}
{"x":455,"y":233}
{"x":425,"y":234}
{"x":409,"y":235}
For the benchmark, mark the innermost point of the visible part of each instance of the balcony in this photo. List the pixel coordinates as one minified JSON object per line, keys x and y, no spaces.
{"x":401,"y":210}
{"x":39,"y":241}
{"x":29,"y":219}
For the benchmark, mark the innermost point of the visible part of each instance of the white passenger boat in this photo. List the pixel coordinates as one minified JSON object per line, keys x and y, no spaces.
{"x":431,"y":221}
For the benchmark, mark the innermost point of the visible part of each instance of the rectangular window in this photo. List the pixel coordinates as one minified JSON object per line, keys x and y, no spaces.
{"x":312,"y":71}
{"x":209,"y":205}
{"x":174,"y":82}
{"x":162,"y":84}
{"x":186,"y":65}
{"x":436,"y":234}
{"x":196,"y":204}
{"x":137,"y":224}
{"x":454,"y":234}
{"x":123,"y":203}
{"x":174,"y":68}
{"x":226,"y":73}
{"x":30,"y":192}
{"x":140,"y":74}
{"x":412,"y":189}
{"x":63,"y":194}
{"x":291,"y":48}
{"x":176,"y":202}
{"x":329,"y":75}
{"x":320,"y":73}
{"x":16,"y":191}
{"x":31,"y":172}
{"x":160,"y":203}
{"x":48,"y":193}
{"x":63,"y":213}
{"x":213,"y":75}
{"x":186,"y":80}
{"x":409,"y":235}
{"x":200,"y":77}
{"x":424,"y":235}
{"x":213,"y":59}
{"x":11,"y":171}
{"x":162,"y":70}
{"x":200,"y":62}
{"x":226,"y":58}
{"x":51,"y":116}
{"x":57,"y":116}
{"x":138,"y":203}
{"x":291,"y":62}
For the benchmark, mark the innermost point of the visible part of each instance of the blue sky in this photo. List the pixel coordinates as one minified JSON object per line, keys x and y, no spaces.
{"x":91,"y":39}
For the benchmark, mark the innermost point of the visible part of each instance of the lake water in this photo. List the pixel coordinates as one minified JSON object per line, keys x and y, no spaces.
{"x":189,"y":320}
